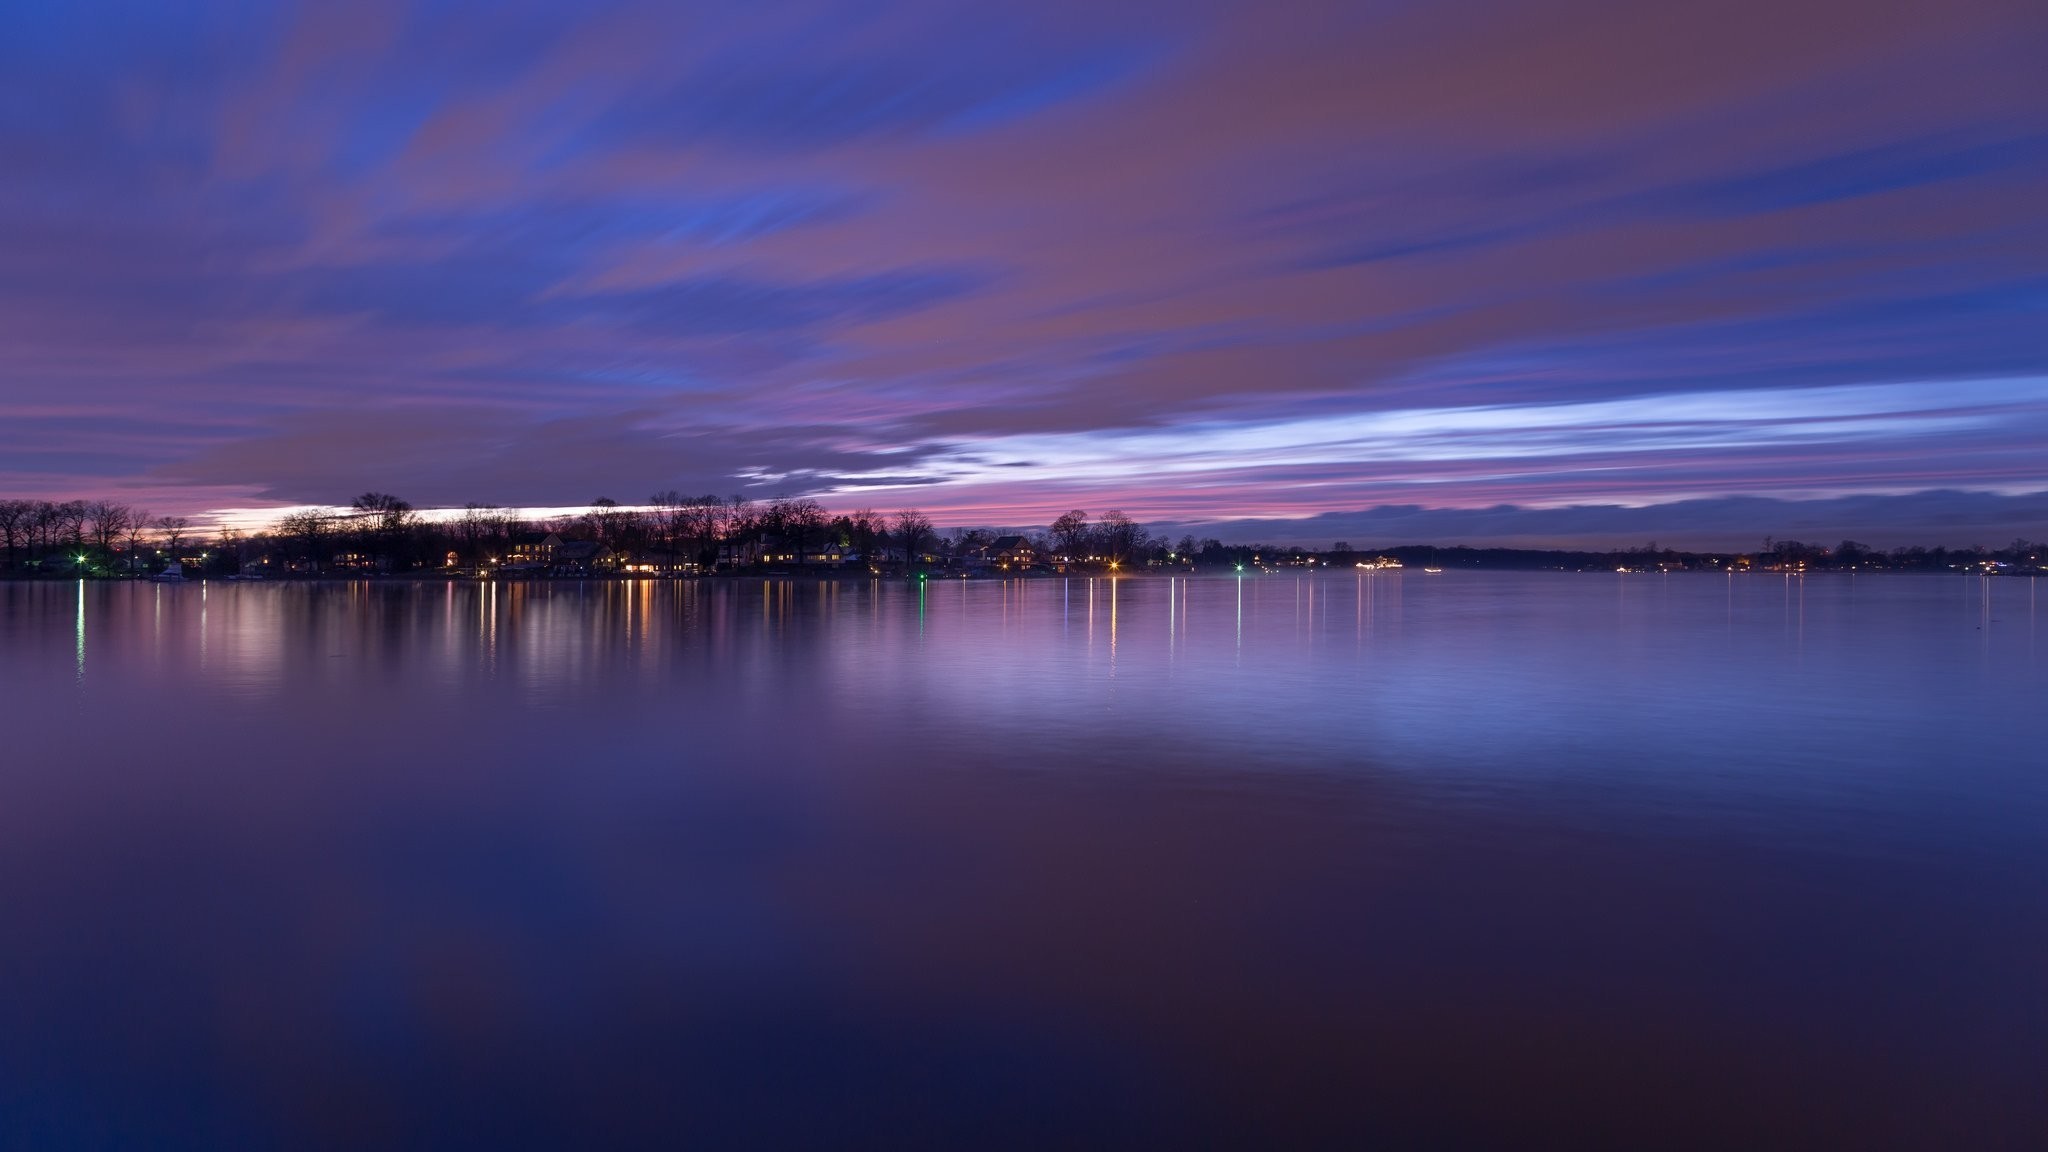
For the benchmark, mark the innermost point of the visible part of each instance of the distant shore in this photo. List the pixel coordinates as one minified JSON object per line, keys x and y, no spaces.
{"x":941,"y":576}
{"x":676,"y":536}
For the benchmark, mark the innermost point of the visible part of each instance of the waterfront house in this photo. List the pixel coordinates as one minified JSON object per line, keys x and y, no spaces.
{"x":830,"y":556}
{"x":581,"y":557}
{"x":533,"y":549}
{"x":1012,"y":553}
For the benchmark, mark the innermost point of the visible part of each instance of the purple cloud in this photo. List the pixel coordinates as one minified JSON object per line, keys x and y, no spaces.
{"x":911,"y":252}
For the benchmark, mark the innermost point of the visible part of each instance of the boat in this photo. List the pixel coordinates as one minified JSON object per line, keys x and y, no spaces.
{"x":1434,"y":571}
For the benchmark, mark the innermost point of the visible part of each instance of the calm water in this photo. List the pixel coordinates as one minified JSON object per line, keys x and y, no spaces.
{"x":1398,"y":859}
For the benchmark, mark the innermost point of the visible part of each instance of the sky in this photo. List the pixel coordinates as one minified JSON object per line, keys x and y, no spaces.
{"x":1478,"y":268}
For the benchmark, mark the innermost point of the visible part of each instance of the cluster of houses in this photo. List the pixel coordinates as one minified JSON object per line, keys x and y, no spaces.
{"x":548,"y":554}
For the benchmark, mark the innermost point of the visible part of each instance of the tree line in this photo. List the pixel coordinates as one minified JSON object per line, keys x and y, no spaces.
{"x":82,"y":533}
{"x":671,"y":533}
{"x":672,"y":530}
{"x":674,"y":533}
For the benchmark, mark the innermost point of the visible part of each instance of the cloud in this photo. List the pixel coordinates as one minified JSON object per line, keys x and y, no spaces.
{"x":1937,"y":517}
{"x":448,"y":456}
{"x":1201,"y":258}
{"x":754,"y":102}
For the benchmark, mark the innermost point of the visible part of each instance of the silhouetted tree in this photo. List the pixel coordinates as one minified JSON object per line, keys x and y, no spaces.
{"x":106,"y":522}
{"x":478,"y":525}
{"x":913,"y":528}
{"x":1070,"y":533}
{"x":1119,"y":536}
{"x":227,"y":551}
{"x":311,"y":532}
{"x":42,"y":528}
{"x":706,"y":519}
{"x":385,"y":523}
{"x":671,"y":521}
{"x":744,"y":525}
{"x":798,"y":522}
{"x":15,"y":518}
{"x":138,"y":523}
{"x":171,"y":531}
{"x":866,"y":527}
{"x":69,"y":519}
{"x":612,"y":526}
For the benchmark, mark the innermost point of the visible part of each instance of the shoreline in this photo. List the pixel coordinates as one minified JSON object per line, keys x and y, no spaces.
{"x":943,"y":576}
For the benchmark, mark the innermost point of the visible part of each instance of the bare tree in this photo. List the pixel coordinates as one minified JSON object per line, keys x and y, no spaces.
{"x":913,"y":528}
{"x":867,"y":525}
{"x":105,"y":522}
{"x":386,"y":522}
{"x":799,"y":521}
{"x":310,"y":531}
{"x":138,"y":523}
{"x":15,"y":517}
{"x":1121,"y":537}
{"x":171,"y":531}
{"x":707,"y":520}
{"x":227,"y":550}
{"x":1070,"y":534}
{"x":478,"y":523}
{"x":671,"y":521}
{"x":41,"y":528}
{"x":743,"y":524}
{"x":611,"y":525}
{"x":69,"y":519}
{"x":603,"y":514}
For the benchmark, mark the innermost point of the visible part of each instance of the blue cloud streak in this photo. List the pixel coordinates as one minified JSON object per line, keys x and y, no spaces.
{"x":1263,"y":258}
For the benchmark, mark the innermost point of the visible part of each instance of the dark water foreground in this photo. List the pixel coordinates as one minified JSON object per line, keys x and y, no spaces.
{"x":1374,"y":860}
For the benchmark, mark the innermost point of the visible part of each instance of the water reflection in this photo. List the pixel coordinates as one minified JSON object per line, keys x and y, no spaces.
{"x":649,"y":862}
{"x":565,"y":640}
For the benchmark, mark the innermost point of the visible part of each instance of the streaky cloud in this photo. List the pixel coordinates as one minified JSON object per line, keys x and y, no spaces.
{"x":1939,"y":517}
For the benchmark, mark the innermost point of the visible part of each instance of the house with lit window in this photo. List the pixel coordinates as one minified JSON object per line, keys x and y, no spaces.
{"x":533,"y":550}
{"x":1013,"y":553}
{"x":582,"y":557}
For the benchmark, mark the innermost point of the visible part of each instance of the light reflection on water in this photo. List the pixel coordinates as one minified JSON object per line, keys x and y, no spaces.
{"x":1334,"y":857}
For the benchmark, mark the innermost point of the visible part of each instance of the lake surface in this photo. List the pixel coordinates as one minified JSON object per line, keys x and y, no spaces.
{"x":1360,"y":859}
